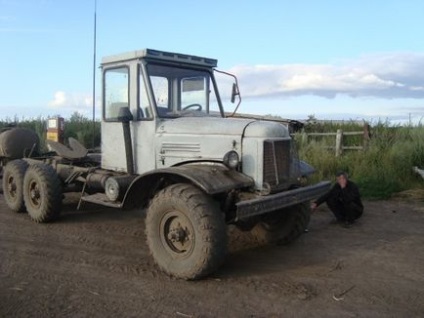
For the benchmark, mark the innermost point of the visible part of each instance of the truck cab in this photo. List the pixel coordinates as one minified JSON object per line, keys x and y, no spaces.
{"x":178,"y":118}
{"x":166,"y":94}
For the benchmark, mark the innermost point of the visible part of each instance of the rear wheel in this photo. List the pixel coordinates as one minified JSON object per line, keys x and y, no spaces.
{"x":283,"y":226}
{"x":13,"y":179}
{"x":42,"y":193}
{"x":186,"y":232}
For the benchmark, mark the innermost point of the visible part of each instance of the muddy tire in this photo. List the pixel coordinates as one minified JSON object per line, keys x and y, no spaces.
{"x":283,"y":226}
{"x":42,"y":193}
{"x":13,"y":181}
{"x":186,"y":232}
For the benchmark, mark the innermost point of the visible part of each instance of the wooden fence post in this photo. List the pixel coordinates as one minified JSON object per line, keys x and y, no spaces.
{"x":304,"y":137}
{"x":339,"y":142}
{"x":367,"y":135}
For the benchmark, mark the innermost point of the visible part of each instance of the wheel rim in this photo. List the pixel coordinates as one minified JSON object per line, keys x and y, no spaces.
{"x":177,"y":233}
{"x":34,"y":193}
{"x":11,"y":187}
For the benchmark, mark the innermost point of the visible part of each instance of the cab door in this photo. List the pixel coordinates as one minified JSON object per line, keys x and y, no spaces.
{"x":116,"y":94}
{"x":124,"y":86}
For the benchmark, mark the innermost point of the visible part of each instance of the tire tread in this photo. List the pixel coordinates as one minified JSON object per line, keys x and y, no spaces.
{"x":293,"y":228}
{"x":206,"y":217}
{"x":52,"y":187}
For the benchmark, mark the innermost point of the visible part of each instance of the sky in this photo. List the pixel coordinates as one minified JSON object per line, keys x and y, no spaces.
{"x":342,"y":59}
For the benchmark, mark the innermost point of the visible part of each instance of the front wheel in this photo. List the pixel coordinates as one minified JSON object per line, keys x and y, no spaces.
{"x":283,"y":226}
{"x":186,"y":232}
{"x":42,"y":193}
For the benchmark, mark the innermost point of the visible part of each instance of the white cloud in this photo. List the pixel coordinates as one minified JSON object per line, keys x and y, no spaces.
{"x":384,"y":76}
{"x":60,"y":100}
{"x":71,"y":102}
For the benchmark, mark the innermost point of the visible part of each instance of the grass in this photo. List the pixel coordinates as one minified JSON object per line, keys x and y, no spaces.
{"x":383,"y":169}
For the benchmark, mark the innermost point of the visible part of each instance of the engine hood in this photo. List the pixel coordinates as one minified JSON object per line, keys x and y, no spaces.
{"x":190,"y":139}
{"x":204,"y":126}
{"x":224,"y":127}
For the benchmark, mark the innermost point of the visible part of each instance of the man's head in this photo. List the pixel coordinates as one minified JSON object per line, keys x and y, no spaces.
{"x":341,"y":178}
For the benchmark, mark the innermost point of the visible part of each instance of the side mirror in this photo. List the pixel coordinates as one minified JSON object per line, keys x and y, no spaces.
{"x":235,"y":91}
{"x":124,"y":115}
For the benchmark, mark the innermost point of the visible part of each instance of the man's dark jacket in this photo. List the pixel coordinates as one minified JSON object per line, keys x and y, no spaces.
{"x":346,"y":196}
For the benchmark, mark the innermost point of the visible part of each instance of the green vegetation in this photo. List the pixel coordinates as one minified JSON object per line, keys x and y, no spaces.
{"x":77,"y":126}
{"x":82,"y":129}
{"x":385,"y":167}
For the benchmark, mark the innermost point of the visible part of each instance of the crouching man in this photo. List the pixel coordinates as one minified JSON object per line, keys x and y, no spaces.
{"x":343,"y":200}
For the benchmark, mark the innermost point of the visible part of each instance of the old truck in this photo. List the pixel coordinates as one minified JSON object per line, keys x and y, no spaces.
{"x":169,"y":146}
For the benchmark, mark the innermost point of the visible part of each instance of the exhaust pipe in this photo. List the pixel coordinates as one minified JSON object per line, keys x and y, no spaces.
{"x":125,"y":117}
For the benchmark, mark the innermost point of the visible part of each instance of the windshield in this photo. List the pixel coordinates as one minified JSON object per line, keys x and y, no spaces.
{"x":183,"y":92}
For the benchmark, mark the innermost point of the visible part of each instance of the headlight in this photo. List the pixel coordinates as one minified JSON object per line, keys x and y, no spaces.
{"x":231,"y":159}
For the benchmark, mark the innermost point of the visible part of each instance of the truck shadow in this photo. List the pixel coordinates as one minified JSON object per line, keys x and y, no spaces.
{"x":93,"y":213}
{"x":96,"y":214}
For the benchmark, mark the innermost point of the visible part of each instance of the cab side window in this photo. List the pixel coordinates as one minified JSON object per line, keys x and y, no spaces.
{"x":116,"y":90}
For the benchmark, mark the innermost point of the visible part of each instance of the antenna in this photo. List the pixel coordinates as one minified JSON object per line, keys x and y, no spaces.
{"x":94,"y":72}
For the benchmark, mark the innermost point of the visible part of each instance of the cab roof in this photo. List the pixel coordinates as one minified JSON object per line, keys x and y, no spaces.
{"x":150,"y":54}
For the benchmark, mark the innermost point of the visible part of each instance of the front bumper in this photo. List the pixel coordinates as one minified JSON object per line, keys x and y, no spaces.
{"x":269,"y":203}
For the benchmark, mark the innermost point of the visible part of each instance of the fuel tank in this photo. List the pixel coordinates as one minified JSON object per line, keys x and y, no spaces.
{"x":18,"y":142}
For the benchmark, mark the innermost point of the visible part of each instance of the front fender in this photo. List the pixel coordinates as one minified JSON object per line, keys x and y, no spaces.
{"x":211,"y":178}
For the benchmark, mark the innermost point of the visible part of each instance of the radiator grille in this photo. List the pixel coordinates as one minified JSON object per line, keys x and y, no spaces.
{"x":277,"y":163}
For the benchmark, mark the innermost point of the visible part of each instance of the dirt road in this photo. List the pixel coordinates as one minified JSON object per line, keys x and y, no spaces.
{"x":95,"y":263}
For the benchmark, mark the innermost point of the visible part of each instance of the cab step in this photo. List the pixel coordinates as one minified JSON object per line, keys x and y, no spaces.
{"x":101,"y":199}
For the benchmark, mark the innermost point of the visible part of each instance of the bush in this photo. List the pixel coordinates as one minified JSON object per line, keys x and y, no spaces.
{"x":383,"y":169}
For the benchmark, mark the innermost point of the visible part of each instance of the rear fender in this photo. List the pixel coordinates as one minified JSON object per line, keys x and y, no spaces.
{"x":210,"y":178}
